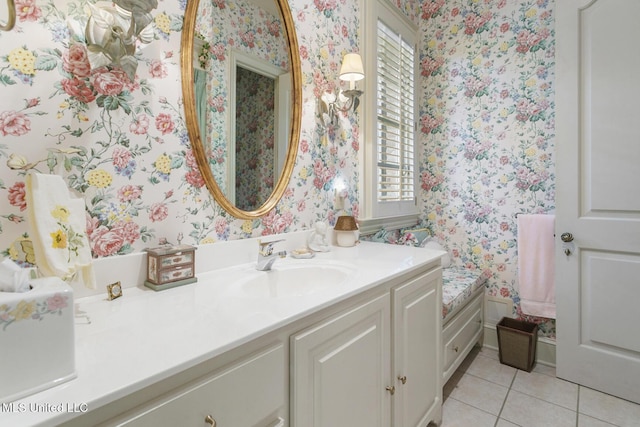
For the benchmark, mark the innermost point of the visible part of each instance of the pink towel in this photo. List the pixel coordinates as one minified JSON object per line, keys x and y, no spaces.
{"x":536,"y":265}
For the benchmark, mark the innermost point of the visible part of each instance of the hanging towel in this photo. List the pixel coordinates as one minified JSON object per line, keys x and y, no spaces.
{"x":58,"y":224}
{"x":536,"y":265}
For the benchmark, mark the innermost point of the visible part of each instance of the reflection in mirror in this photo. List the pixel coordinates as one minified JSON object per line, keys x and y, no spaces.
{"x":258,"y":129}
{"x":243,"y":110}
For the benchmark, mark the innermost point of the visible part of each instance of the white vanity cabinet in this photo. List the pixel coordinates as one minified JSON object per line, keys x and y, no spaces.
{"x":340,"y":368}
{"x":249,"y":392}
{"x":417,"y":329}
{"x":378,"y":362}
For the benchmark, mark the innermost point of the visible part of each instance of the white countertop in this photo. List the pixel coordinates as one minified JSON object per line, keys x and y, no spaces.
{"x":147,"y":336}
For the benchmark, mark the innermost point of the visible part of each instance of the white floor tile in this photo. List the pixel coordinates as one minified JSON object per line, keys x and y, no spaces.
{"x":480,"y":393}
{"x":553,"y":390}
{"x":505,"y":423}
{"x":544,"y":369}
{"x":529,"y":411}
{"x":459,"y":414}
{"x":491,"y":370}
{"x":587,"y":421}
{"x":602,"y":406}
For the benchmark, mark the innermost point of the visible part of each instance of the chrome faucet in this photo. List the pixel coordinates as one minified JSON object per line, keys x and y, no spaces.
{"x":266,"y":257}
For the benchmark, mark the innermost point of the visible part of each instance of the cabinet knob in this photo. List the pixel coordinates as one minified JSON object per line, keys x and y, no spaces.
{"x":209,"y":420}
{"x":455,"y":349}
{"x":403,"y":379}
{"x":391,"y":389}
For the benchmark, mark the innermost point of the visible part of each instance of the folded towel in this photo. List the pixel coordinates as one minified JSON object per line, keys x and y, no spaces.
{"x":58,"y":230}
{"x":536,"y":265}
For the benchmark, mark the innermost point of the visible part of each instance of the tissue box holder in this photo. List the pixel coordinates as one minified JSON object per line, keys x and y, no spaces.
{"x":170,"y":266}
{"x":37,"y":343}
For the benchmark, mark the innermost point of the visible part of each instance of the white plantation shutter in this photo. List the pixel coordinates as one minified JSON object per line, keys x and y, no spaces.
{"x":395,"y":117}
{"x":389,"y":111}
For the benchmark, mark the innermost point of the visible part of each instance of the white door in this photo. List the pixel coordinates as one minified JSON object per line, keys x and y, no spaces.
{"x":598,"y":194}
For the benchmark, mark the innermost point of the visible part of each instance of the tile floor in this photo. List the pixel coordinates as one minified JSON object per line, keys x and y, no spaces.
{"x":485,"y":393}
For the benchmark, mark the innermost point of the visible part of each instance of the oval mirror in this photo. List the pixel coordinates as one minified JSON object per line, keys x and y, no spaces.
{"x":246,"y":158}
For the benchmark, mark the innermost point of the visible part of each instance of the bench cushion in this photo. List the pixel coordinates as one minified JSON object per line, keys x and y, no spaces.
{"x":458,"y":285}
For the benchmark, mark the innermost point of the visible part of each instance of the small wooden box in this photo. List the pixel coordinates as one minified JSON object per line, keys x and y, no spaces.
{"x":169,"y":266}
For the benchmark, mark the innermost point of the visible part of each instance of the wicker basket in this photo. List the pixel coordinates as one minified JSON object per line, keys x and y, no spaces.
{"x":517,"y":343}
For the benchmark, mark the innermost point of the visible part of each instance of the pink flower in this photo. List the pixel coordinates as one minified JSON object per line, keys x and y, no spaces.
{"x":17,"y":196}
{"x":194,"y":178}
{"x":14,"y":123}
{"x":140,"y":124}
{"x":76,"y":61}
{"x":78,"y":89}
{"x":107,"y":82}
{"x":159,"y":212}
{"x":33,"y":102}
{"x":128,"y":230}
{"x":157,"y":69}
{"x":56,"y":302}
{"x":221,"y":226}
{"x":190,"y":160}
{"x":27,"y":10}
{"x":129,"y":192}
{"x":164,"y":123}
{"x":105,"y":242}
{"x":121,"y":157}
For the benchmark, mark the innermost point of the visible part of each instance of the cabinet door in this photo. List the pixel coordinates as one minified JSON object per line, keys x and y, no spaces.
{"x":417,"y":364}
{"x":249,"y":393}
{"x":340,"y":368}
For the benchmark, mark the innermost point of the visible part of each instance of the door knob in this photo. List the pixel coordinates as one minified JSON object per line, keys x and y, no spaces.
{"x":566,"y":237}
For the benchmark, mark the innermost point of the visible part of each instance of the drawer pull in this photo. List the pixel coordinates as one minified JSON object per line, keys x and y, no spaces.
{"x":403,"y":379}
{"x":209,"y":420}
{"x":455,"y":349}
{"x":391,"y":389}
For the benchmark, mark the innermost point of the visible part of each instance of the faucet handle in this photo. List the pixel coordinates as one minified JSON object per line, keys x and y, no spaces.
{"x":266,"y":248}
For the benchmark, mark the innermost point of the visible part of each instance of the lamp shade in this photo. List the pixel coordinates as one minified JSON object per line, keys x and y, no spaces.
{"x":351,"y":69}
{"x":346,"y":223}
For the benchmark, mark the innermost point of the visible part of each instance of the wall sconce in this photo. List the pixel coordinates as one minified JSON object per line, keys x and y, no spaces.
{"x":350,"y":71}
{"x":113,"y":30}
{"x":11,"y":19}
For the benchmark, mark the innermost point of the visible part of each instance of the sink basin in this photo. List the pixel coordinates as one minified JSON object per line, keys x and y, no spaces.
{"x":296,"y":278}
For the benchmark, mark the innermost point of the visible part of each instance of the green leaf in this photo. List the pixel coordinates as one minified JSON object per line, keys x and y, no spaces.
{"x":46,"y":63}
{"x":6,"y":80}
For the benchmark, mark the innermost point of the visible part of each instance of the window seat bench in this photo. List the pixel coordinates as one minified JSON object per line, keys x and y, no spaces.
{"x":462,"y":315}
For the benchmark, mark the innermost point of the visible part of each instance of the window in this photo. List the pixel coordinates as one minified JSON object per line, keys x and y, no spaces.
{"x":395,"y":117}
{"x":389,"y":156}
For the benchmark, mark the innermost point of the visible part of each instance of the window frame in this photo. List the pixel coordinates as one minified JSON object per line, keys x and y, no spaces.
{"x":375,"y":214}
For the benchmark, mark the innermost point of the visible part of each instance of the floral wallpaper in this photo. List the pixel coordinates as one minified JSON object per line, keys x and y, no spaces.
{"x":255,"y":119}
{"x":486,"y":128}
{"x":122,"y":145}
{"x":487,"y":125}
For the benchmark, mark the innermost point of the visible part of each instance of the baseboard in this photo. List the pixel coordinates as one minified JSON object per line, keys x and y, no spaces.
{"x":545,"y":348}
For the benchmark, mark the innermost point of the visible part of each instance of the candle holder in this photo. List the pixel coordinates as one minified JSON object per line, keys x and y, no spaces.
{"x":346,"y":229}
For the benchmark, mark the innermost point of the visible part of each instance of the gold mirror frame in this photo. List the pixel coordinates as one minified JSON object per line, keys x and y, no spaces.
{"x":188,"y":93}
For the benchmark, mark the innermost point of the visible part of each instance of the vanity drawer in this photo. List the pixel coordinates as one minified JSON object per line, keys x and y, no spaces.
{"x":461,"y":332}
{"x":250,"y":392}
